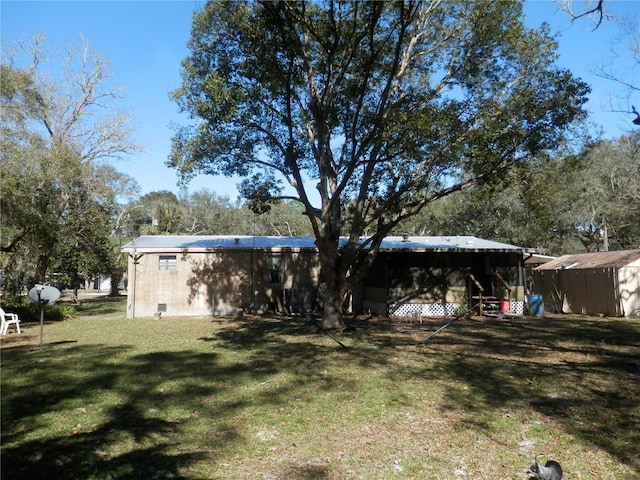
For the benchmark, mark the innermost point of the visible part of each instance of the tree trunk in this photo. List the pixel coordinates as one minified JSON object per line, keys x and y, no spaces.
{"x":40,"y":269}
{"x":332,"y":317}
{"x":115,"y":282}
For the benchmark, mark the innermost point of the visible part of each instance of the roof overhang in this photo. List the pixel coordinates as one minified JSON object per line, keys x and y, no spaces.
{"x":537,"y":258}
{"x":213,"y":243}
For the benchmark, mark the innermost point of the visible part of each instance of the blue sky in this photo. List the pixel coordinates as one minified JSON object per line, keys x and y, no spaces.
{"x":145,"y":41}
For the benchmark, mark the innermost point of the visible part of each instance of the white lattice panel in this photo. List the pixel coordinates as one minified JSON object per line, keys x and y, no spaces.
{"x":423,"y":309}
{"x":438,"y":309}
{"x":517,"y":307}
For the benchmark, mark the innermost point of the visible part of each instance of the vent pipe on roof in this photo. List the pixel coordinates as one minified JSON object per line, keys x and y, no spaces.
{"x":405,"y":238}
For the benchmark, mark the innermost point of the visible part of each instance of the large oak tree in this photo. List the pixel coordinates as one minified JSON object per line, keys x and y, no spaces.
{"x":368,"y":111}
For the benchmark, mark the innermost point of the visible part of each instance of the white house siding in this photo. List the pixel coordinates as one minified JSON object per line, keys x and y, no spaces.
{"x":215,"y":283}
{"x":629,"y":289}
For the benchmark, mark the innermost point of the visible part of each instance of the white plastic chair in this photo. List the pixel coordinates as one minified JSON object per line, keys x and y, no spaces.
{"x":8,"y":319}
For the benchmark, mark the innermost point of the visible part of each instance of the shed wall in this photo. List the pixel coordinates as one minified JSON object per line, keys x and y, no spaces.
{"x":591,"y":291}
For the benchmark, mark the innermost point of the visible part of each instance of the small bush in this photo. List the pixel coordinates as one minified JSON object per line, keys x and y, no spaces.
{"x":60,"y":311}
{"x":29,"y":311}
{"x":23,"y":307}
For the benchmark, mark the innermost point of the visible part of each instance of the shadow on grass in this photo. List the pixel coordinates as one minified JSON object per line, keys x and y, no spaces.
{"x":581,"y":374}
{"x":96,"y":411}
{"x":102,"y":305}
{"x":157,"y":414}
{"x":125,"y":436}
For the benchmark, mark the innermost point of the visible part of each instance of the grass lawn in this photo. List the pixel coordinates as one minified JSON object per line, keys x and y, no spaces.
{"x":272,"y":398}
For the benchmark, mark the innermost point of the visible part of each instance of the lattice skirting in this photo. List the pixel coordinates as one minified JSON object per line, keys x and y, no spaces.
{"x":423,"y":309}
{"x":438,"y":309}
{"x":517,"y":307}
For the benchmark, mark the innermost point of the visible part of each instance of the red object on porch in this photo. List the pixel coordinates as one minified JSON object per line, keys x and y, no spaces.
{"x":504,"y":306}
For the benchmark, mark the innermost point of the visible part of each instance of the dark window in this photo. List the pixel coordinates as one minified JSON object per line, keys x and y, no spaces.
{"x":275,"y":269}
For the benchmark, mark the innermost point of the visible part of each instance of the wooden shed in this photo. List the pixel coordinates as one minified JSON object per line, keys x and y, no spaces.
{"x":602,"y":283}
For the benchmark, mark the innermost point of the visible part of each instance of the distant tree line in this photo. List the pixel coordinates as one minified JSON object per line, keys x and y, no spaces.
{"x":207,"y":213}
{"x":584,"y":202}
{"x":576,"y":203}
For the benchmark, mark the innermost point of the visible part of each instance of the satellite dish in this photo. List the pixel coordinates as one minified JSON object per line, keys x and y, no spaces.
{"x":44,"y":294}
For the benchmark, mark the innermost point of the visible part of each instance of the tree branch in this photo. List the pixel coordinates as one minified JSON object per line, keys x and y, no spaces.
{"x":598,"y":10}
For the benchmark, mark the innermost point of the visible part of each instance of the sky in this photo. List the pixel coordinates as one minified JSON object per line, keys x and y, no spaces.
{"x":145,"y":41}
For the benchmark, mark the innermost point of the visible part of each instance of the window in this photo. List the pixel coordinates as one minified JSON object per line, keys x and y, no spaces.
{"x":275,"y":269}
{"x":168,"y":262}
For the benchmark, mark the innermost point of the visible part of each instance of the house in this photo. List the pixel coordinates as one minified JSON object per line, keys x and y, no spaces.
{"x":602,"y":283}
{"x":100,"y":283}
{"x":218,"y":275}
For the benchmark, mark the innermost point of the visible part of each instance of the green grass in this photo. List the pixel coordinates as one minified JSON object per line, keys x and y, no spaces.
{"x":272,"y":398}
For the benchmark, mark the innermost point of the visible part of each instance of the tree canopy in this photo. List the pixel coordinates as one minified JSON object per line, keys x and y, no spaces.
{"x":59,"y":197}
{"x":588,"y":201}
{"x":367,"y":110}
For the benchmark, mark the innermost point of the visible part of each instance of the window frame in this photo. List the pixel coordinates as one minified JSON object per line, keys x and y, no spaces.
{"x":167,"y":263}
{"x":275,"y":269}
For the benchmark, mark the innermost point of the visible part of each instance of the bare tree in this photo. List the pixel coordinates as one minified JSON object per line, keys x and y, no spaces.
{"x":625,"y":49}
{"x":59,"y":125}
{"x":76,"y":107}
{"x":593,"y":9}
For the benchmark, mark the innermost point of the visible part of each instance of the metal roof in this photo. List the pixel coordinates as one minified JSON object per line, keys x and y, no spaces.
{"x":168,"y":243}
{"x":453,"y":242}
{"x":537,"y":259}
{"x":617,"y":259}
